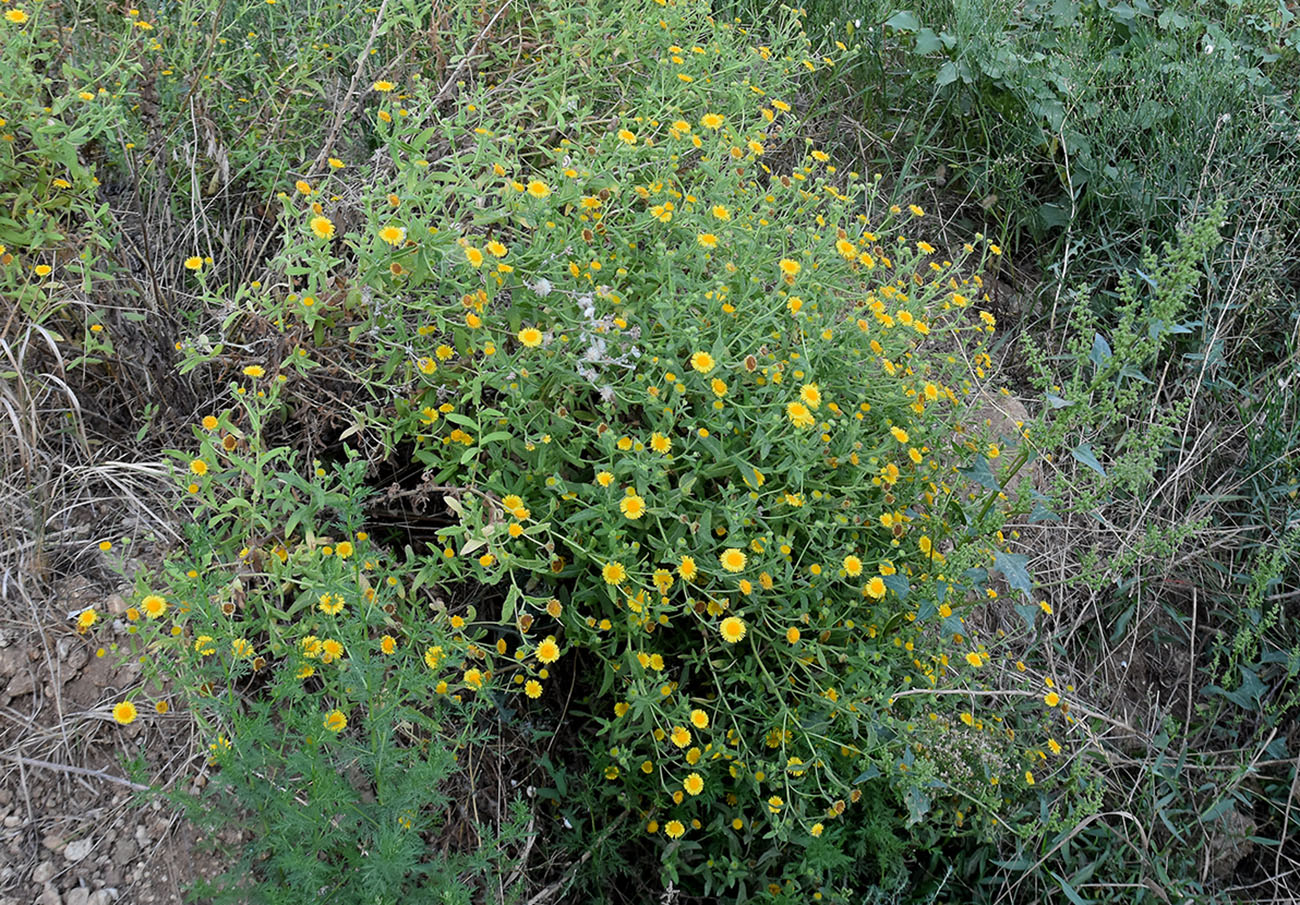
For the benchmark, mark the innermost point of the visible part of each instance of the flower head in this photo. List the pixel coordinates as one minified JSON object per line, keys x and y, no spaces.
{"x":124,"y":712}
{"x":732,"y":559}
{"x":336,"y":721}
{"x":530,"y":337}
{"x":322,"y":227}
{"x":732,"y":629}
{"x":614,"y":573}
{"x":548,"y":651}
{"x":18,"y":17}
{"x":393,"y":235}
{"x":193,"y":263}
{"x":703,"y":362}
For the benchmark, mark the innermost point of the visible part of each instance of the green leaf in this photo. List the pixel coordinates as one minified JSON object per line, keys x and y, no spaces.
{"x":1084,"y":454}
{"x":903,"y":20}
{"x":979,"y":472}
{"x":947,"y":74}
{"x":1015,"y":568}
{"x":927,"y":41}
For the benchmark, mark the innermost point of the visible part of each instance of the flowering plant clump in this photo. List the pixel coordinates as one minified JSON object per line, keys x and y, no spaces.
{"x":697,"y":403}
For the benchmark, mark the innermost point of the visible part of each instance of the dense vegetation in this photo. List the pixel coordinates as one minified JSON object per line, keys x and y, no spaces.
{"x":644,"y":450}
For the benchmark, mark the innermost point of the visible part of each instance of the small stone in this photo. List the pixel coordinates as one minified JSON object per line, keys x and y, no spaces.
{"x":79,"y":895}
{"x":49,"y":896}
{"x":12,"y":821}
{"x":52,"y":843}
{"x":124,"y":851}
{"x":115,"y":604}
{"x":79,"y":849}
{"x":101,"y":897}
{"x":43,"y":873}
{"x":141,"y":836}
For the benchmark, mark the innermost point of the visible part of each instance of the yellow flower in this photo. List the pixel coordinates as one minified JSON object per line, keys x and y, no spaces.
{"x":1054,"y":745}
{"x":693,"y":784}
{"x":86,"y":619}
{"x":383,"y":86}
{"x":530,"y":337}
{"x":916,"y":211}
{"x":496,"y":249}
{"x":633,"y":506}
{"x":899,"y":434}
{"x":43,"y":270}
{"x":660,"y":443}
{"x":474,"y":256}
{"x":393,"y":235}
{"x":538,"y":189}
{"x":699,"y":719}
{"x":604,"y":478}
{"x":18,"y":17}
{"x":708,"y":240}
{"x":732,"y":559}
{"x":793,"y":635}
{"x":198,"y":467}
{"x":388,"y":644}
{"x":193,"y":263}
{"x":210,"y":422}
{"x":473,"y":678}
{"x":548,"y":651}
{"x":335,"y":721}
{"x":687,"y":569}
{"x":790,"y":268}
{"x":124,"y":711}
{"x":799,"y":415}
{"x":674,"y":829}
{"x":775,"y":803}
{"x":344,"y":549}
{"x":852,"y":565}
{"x":533,"y":689}
{"x":974,"y":659}
{"x":153,"y":606}
{"x":626,"y":137}
{"x":336,"y":164}
{"x":721,"y":212}
{"x":712,"y":120}
{"x":1051,"y":699}
{"x":322,"y":227}
{"x":732,"y":628}
{"x":811,"y":395}
{"x":680,"y":736}
{"x":614,"y":573}
{"x":875,"y":588}
{"x":303,"y":187}
{"x":817,"y":829}
{"x":1029,"y":778}
{"x":703,"y":362}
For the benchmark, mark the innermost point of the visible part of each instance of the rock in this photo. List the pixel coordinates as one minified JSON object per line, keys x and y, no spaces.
{"x":79,"y":895}
{"x":12,"y":821}
{"x":52,"y":843}
{"x":102,"y":897}
{"x":43,"y":873}
{"x":49,"y":896}
{"x":124,"y":851}
{"x":141,"y":837}
{"x":115,"y":604}
{"x":24,"y":682}
{"x":79,"y":849}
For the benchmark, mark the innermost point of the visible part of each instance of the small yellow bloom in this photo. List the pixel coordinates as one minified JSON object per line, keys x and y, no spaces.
{"x":732,"y":629}
{"x":703,"y":362}
{"x":393,"y":235}
{"x":18,"y":17}
{"x":322,"y":227}
{"x":124,"y":712}
{"x":193,"y":263}
{"x":335,"y":721}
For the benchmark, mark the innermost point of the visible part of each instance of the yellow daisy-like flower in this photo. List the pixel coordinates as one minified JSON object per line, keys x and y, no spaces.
{"x":336,"y":164}
{"x":18,"y":17}
{"x":533,"y":689}
{"x":344,"y":549}
{"x":712,"y":120}
{"x":703,"y":362}
{"x":660,"y":443}
{"x":1051,"y":699}
{"x":974,"y":659}
{"x":530,"y":337}
{"x":433,"y":656}
{"x":811,"y":395}
{"x":304,"y":188}
{"x":393,"y":235}
{"x":124,"y":712}
{"x":899,"y":434}
{"x":633,"y":506}
{"x":473,"y":678}
{"x":538,"y":189}
{"x":383,"y":86}
{"x":790,"y":268}
{"x":198,"y":467}
{"x":687,"y":568}
{"x":693,"y":784}
{"x":323,"y":227}
{"x":628,"y":138}
{"x":699,"y":719}
{"x":732,"y":629}
{"x":604,"y":478}
{"x":792,"y":635}
{"x":775,"y":803}
{"x":548,"y":651}
{"x":42,"y":270}
{"x":388,"y":644}
{"x":193,"y":263}
{"x":799,"y":415}
{"x":875,"y":588}
{"x":254,"y":371}
{"x":674,"y":829}
{"x":708,"y":240}
{"x":335,"y":721}
{"x":210,"y":422}
{"x":680,"y":736}
{"x":613,"y":573}
{"x":852,"y":566}
{"x":1029,"y":778}
{"x":732,"y":559}
{"x":86,"y":619}
{"x":153,"y":606}
{"x":496,"y":249}
{"x":474,"y":256}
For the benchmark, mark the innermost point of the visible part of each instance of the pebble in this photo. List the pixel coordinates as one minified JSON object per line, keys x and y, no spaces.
{"x":52,"y":843}
{"x":78,"y":850}
{"x":79,"y":895}
{"x":49,"y":896}
{"x":43,"y":873}
{"x":12,"y":821}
